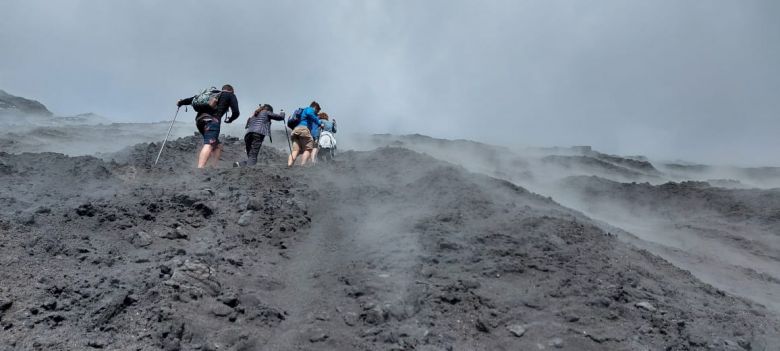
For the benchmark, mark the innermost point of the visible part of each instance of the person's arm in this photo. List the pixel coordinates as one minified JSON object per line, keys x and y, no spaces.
{"x":185,"y":101}
{"x":308,"y":113}
{"x":334,"y":126}
{"x":234,"y":112}
{"x":318,"y":121}
{"x":276,"y":116}
{"x":311,"y":117}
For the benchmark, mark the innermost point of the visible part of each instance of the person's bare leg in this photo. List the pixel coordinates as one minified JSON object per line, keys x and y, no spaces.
{"x":305,"y":157}
{"x":291,"y":159}
{"x":215,"y":155}
{"x":204,"y":155}
{"x":314,"y":155}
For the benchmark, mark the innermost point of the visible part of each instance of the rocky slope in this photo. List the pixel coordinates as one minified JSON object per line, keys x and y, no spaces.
{"x":386,"y":249}
{"x":729,"y":237}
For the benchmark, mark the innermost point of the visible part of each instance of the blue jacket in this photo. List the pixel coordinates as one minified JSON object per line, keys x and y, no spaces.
{"x":310,"y":120}
{"x":329,"y":126}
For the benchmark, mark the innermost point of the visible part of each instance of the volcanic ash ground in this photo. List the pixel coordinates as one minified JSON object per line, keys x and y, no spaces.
{"x":387,"y":249}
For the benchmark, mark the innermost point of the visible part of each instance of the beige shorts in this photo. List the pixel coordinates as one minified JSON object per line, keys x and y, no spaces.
{"x":301,"y":139}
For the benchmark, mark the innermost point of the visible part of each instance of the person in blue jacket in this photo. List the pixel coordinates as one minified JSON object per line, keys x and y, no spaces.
{"x":301,"y":137}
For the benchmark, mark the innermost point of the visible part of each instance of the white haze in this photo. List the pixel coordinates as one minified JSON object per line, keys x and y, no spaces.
{"x":668,"y":79}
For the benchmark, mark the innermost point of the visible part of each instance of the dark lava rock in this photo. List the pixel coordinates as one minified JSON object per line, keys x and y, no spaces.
{"x":5,"y":305}
{"x":481,"y":326}
{"x":96,"y":344}
{"x":254,"y":205}
{"x":221,"y":310}
{"x":109,"y":307}
{"x":204,"y":209}
{"x":516,"y":330}
{"x":141,"y":239}
{"x":245,"y":218}
{"x":86,"y":210}
{"x":27,"y":218}
{"x":317,"y":335}
{"x":172,"y":233}
{"x":556,"y":343}
{"x":350,"y":318}
{"x":374,"y":315}
{"x":230,"y":300}
{"x":197,"y":277}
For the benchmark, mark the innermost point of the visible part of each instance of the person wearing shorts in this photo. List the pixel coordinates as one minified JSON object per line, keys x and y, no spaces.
{"x":301,"y":137}
{"x":208,"y":124}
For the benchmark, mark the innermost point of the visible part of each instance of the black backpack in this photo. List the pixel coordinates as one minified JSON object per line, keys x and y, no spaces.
{"x":206,"y":101}
{"x":295,"y":119}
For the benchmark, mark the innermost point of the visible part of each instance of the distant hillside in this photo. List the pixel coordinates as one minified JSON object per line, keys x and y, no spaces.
{"x":10,"y":104}
{"x":83,"y":119}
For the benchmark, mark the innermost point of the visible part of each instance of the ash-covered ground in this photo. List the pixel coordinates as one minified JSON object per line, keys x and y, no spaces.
{"x":387,"y":249}
{"x":719,"y":223}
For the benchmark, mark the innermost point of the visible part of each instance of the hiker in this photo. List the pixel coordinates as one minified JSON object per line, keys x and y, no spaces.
{"x":257,"y":127}
{"x":315,"y":136}
{"x":301,"y":137}
{"x":326,"y":145}
{"x":211,"y":105}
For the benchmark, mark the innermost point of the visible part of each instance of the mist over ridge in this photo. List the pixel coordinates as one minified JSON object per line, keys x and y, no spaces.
{"x":666,"y":79}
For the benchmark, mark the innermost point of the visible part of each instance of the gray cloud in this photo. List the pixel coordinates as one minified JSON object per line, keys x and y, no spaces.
{"x":669,"y":79}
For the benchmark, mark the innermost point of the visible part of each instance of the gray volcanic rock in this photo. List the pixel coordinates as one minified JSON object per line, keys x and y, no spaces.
{"x":688,"y":222}
{"x":10,"y":104}
{"x":384,"y":249}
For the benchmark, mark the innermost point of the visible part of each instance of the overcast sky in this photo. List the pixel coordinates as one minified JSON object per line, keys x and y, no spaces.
{"x":694,"y":80}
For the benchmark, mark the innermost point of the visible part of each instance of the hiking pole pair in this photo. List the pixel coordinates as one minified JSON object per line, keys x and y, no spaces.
{"x":167,"y":135}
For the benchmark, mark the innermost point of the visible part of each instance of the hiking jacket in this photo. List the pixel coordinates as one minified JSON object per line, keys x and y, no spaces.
{"x":329,"y":126}
{"x":310,"y":120}
{"x":262,"y":122}
{"x":226,"y":100}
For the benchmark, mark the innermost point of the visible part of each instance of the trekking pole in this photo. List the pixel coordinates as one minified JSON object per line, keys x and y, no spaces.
{"x":167,"y":135}
{"x":289,"y":145}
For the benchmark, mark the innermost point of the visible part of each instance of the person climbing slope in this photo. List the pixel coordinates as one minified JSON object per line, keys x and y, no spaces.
{"x":211,"y":105}
{"x":315,"y":136}
{"x":257,"y":128}
{"x":326,"y":145}
{"x":301,"y":137}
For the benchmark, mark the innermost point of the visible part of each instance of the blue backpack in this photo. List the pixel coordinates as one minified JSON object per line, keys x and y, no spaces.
{"x":295,"y":119}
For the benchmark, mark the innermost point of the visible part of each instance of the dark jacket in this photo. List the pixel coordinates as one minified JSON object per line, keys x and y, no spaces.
{"x":262,"y":122}
{"x":226,"y":100}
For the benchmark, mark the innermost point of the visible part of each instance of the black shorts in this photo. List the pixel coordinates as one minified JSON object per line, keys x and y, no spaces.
{"x":208,"y":126}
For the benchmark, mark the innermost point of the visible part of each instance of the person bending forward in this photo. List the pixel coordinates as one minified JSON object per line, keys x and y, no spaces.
{"x":301,"y":135}
{"x":208,"y":124}
{"x":257,"y":128}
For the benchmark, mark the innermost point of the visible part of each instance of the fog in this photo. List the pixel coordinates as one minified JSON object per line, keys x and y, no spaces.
{"x":724,"y":236}
{"x":667,"y":79}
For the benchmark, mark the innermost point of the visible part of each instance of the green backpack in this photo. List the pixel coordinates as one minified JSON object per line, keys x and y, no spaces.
{"x":207,"y":100}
